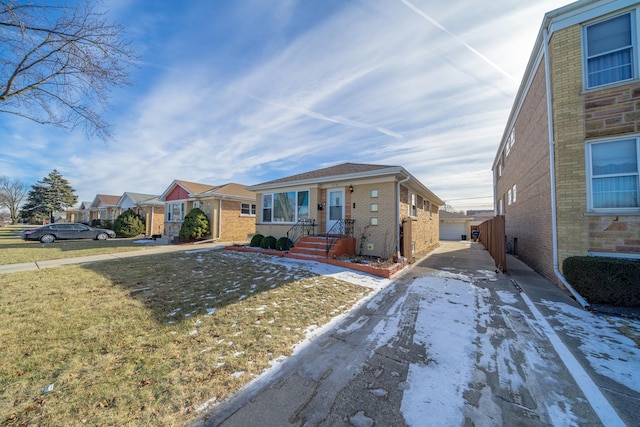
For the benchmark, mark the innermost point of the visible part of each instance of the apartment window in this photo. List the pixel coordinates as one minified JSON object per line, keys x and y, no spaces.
{"x":513,"y":193}
{"x":509,"y":197}
{"x":289,"y":206}
{"x":613,"y":171}
{"x":248,"y":209}
{"x":509,"y":144}
{"x":609,"y":54}
{"x":374,"y":207}
{"x":413,"y":208}
{"x":175,"y":212}
{"x":373,"y":221}
{"x":374,"y":193}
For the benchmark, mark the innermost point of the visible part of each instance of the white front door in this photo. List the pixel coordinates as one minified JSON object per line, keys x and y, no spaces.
{"x":335,"y":210}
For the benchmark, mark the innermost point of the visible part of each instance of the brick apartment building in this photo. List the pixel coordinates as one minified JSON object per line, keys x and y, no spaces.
{"x":566,"y":171}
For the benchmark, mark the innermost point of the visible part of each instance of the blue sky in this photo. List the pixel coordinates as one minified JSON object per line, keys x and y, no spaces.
{"x":249,"y":90}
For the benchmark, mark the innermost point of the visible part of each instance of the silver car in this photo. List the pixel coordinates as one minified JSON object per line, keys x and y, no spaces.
{"x":65,"y":231}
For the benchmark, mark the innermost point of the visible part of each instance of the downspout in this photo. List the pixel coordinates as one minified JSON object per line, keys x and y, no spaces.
{"x":552,"y":172}
{"x":219,"y":218}
{"x":151,"y":221}
{"x":398,"y":216}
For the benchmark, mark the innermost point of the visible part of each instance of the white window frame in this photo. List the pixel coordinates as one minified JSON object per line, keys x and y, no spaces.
{"x":170,"y":211}
{"x":413,"y":205}
{"x":248,"y":209}
{"x":513,"y":193}
{"x":590,"y":177}
{"x":634,"y":51}
{"x":271,"y":196}
{"x":511,"y":139}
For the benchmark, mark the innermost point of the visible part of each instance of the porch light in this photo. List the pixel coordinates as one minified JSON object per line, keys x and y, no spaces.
{"x":351,"y":189}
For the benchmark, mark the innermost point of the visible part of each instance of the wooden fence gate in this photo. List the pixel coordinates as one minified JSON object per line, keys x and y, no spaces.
{"x":492,"y":236}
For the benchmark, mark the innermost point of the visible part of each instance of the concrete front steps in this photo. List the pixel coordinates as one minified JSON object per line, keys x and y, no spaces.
{"x":316,"y":246}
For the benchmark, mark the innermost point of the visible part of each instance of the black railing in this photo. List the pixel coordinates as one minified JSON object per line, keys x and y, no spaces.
{"x":304,"y":227}
{"x":342,"y":228}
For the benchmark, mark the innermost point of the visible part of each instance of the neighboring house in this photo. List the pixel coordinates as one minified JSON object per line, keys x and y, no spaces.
{"x":149,"y":207}
{"x":372,"y":203}
{"x":478,"y":217}
{"x":455,"y":226}
{"x":566,"y":172}
{"x":83,"y":212}
{"x":104,"y":207}
{"x":231,"y":209}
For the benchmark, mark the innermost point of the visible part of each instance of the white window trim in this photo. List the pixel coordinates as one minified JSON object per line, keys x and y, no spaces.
{"x":635,"y":43}
{"x":251,"y":208}
{"x":588,"y":168}
{"x":413,"y":205}
{"x":273,"y":207}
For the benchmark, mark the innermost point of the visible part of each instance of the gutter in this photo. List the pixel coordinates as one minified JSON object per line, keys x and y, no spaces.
{"x":552,"y":172}
{"x":398,"y":225}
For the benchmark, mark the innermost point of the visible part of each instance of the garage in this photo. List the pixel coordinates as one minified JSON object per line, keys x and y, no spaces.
{"x":454,"y":225}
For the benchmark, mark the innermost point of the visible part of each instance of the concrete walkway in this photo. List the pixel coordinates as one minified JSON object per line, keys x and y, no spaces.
{"x":150,"y":250}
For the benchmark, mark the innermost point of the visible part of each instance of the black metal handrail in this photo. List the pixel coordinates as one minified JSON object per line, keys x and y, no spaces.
{"x":304,"y":227}
{"x":342,"y":228}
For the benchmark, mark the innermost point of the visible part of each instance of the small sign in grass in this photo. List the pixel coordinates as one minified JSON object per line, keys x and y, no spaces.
{"x":149,"y":340}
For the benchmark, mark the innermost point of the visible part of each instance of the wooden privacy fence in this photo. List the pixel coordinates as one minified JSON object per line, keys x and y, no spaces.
{"x":493,"y":238}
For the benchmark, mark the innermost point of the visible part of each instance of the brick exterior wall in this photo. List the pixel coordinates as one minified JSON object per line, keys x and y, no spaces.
{"x":569,"y":131}
{"x":611,"y":112}
{"x":614,"y":234}
{"x":372,"y":240}
{"x":235,"y":226}
{"x":528,"y":221}
{"x":425,"y":227}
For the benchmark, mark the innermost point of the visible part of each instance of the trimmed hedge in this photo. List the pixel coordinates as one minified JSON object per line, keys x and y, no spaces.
{"x":610,"y":281}
{"x":195,"y":225}
{"x":283,"y":244}
{"x":268,"y":242}
{"x":256,"y":241}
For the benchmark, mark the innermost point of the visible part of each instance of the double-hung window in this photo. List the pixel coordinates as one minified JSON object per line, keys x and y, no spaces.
{"x":290,"y":206}
{"x":609,"y":50}
{"x":413,"y":205}
{"x":613,"y":174}
{"x":175,"y":212}
{"x":248,"y":209}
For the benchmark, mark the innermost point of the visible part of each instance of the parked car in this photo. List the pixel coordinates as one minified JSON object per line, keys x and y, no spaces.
{"x":61,"y":231}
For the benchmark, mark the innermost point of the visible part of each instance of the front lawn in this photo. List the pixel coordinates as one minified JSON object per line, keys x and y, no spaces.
{"x":15,"y":250}
{"x":148,"y":340}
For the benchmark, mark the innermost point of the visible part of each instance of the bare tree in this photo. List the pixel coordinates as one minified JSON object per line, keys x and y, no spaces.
{"x":58,"y":62}
{"x":12,"y":193}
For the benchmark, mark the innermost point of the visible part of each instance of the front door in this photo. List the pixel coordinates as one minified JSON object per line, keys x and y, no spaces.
{"x":335,"y":212}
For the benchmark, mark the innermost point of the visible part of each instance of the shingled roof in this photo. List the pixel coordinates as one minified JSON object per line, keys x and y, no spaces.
{"x":331,"y":171}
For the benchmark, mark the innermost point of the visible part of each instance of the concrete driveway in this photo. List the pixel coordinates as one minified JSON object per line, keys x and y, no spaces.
{"x":450,"y":342}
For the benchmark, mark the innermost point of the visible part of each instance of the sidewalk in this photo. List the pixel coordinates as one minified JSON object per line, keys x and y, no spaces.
{"x":151,"y":250}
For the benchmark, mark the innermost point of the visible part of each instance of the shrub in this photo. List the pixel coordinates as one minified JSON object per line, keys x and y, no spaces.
{"x":611,"y":281}
{"x":195,"y":225}
{"x":283,"y":244}
{"x":256,"y":240}
{"x":129,"y":224}
{"x":268,"y":242}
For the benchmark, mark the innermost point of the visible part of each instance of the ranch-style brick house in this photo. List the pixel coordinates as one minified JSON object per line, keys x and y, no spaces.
{"x":385,"y":209}
{"x":566,"y":173}
{"x":230,"y":207}
{"x":148,"y":206}
{"x":104,"y":207}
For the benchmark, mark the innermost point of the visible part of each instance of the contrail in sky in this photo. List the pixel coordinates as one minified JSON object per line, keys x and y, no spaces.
{"x":458,"y":39}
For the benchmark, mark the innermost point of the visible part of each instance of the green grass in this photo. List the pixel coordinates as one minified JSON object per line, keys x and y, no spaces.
{"x":15,"y":250}
{"x":147,"y":340}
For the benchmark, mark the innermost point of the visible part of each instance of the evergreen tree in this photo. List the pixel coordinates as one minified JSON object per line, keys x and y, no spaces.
{"x":51,"y":194}
{"x":195,"y":225}
{"x":129,"y":224}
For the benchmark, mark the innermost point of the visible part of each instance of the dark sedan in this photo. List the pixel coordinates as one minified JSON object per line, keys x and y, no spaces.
{"x":60,"y":231}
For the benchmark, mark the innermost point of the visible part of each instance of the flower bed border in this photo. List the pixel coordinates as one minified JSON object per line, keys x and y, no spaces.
{"x":386,"y":272}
